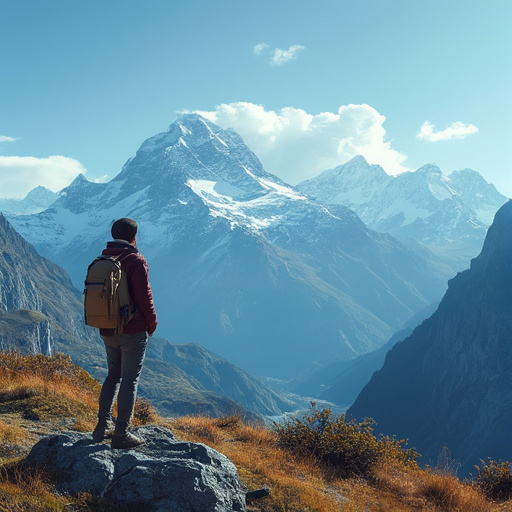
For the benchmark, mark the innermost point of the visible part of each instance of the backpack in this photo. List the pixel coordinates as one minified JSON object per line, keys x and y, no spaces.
{"x":107,"y":302}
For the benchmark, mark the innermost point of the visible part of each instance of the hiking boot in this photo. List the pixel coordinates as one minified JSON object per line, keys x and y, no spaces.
{"x":103,"y":430}
{"x":126,"y":440}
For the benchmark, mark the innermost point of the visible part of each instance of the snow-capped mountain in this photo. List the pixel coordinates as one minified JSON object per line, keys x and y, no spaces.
{"x":37,"y":200}
{"x":241,"y":262}
{"x":448,"y":214}
{"x":41,"y":313}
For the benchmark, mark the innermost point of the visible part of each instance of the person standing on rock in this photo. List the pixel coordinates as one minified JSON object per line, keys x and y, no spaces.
{"x":126,"y":351}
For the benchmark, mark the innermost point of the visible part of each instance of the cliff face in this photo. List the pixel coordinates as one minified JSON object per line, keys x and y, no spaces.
{"x":27,"y":332}
{"x":450,"y":383}
{"x":40,"y":310}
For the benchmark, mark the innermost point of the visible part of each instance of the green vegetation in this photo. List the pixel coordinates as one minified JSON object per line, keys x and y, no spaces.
{"x":494,"y":479}
{"x":344,"y":447}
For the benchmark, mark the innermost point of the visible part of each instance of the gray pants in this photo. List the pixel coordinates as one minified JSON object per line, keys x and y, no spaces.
{"x":125,"y":356}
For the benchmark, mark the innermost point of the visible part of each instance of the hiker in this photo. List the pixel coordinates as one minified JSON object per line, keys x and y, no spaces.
{"x":126,"y":351}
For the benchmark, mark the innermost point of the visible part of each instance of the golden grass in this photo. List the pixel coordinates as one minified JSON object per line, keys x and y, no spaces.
{"x":421,"y":489}
{"x":48,"y":388}
{"x":39,"y":388}
{"x":298,"y":484}
{"x":11,"y":437}
{"x":26,"y":491}
{"x":10,"y":434}
{"x":448,"y":493}
{"x":51,"y":390}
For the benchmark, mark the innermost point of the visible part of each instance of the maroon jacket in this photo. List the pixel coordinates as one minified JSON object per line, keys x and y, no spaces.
{"x":136,"y":269}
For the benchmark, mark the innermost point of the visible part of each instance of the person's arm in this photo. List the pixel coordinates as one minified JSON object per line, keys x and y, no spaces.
{"x":142,"y":293}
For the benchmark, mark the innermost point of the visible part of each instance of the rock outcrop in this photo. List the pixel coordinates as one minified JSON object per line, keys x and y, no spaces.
{"x":26,"y":332}
{"x":163,"y":475}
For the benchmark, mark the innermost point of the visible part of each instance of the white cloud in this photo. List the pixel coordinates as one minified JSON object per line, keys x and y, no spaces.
{"x":4,"y":138}
{"x":296,"y":145}
{"x":457,"y":130}
{"x":259,"y":48}
{"x":20,"y":174}
{"x":281,"y":56}
{"x":102,"y":179}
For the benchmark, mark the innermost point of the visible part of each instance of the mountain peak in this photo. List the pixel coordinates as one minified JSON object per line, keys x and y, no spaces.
{"x":79,"y":181}
{"x":355,"y":178}
{"x":190,"y":120}
{"x":430,"y":170}
{"x":36,"y":201}
{"x":358,"y":159}
{"x":423,"y":205}
{"x":194,"y":151}
{"x":40,"y":192}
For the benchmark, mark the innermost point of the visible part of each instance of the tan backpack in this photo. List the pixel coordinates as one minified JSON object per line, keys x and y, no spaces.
{"x":107,"y":302}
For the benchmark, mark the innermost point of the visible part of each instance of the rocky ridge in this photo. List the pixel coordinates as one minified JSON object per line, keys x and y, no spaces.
{"x":448,"y":214}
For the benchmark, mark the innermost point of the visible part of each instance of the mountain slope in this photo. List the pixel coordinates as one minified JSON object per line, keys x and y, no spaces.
{"x":41,"y":313}
{"x":341,"y":382}
{"x":448,"y":214}
{"x":449,"y":382}
{"x":41,"y":310}
{"x":240,"y":262}
{"x":227,"y":389}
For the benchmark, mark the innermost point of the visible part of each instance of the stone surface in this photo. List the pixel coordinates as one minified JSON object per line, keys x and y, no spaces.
{"x":165,"y":474}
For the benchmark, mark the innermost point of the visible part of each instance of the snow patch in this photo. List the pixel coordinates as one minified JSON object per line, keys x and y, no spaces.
{"x":282,"y":190}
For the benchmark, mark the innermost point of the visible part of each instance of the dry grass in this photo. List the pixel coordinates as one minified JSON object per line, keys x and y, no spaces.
{"x":48,"y":388}
{"x":447,"y":493}
{"x":419,"y":489}
{"x":41,"y":394}
{"x":298,"y":484}
{"x":46,"y":394}
{"x":24,"y":491}
{"x":10,"y":434}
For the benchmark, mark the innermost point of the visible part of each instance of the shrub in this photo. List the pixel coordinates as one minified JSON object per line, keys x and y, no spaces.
{"x":144,"y":413}
{"x":448,"y":494}
{"x":494,"y":479}
{"x":346,"y":448}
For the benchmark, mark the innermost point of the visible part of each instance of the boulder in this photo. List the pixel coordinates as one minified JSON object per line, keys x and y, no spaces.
{"x":162,"y":475}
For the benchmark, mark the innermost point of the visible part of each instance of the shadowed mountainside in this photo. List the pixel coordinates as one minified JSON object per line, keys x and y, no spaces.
{"x":449,"y":383}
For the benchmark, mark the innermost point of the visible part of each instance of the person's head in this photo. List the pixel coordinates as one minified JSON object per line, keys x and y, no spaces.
{"x":124,"y":229}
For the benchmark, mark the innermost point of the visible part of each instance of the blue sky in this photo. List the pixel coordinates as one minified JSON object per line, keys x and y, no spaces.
{"x":308,"y":84}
